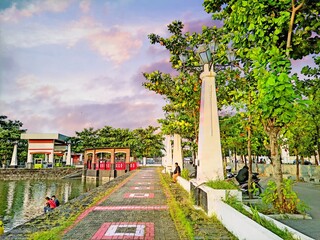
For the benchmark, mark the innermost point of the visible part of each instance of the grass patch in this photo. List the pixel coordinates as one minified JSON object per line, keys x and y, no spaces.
{"x":56,"y":232}
{"x":183,"y":226}
{"x":254,"y":215}
{"x":185,"y":174}
{"x":191,"y":223}
{"x":221,"y":184}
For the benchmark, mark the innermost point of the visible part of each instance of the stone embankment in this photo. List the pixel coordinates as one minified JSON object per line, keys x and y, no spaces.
{"x":23,"y":174}
{"x":70,"y":209}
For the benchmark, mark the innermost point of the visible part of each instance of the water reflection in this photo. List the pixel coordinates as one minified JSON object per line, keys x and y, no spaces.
{"x":21,"y":201}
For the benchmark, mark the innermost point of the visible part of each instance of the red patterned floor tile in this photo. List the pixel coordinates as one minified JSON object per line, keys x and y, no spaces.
{"x":110,"y":230}
{"x":138,"y":195}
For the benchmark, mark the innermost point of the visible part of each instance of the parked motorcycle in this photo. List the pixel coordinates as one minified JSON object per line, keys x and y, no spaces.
{"x":256,"y":187}
{"x":229,"y":173}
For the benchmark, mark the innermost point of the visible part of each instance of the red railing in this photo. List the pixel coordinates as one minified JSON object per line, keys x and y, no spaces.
{"x":120,"y":166}
{"x":133,"y":166}
{"x":104,"y":165}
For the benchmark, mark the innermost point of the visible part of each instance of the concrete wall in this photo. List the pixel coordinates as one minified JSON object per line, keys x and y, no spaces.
{"x":22,"y":174}
{"x":102,"y":175}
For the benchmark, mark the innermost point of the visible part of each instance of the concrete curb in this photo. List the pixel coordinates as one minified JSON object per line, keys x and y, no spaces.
{"x":295,"y":233}
{"x":240,"y":225}
{"x":237,"y":223}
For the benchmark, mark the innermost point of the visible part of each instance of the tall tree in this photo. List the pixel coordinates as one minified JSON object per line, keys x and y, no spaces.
{"x":270,"y":33}
{"x":85,"y":139}
{"x":10,"y":132}
{"x":311,"y":90}
{"x":182,"y":92}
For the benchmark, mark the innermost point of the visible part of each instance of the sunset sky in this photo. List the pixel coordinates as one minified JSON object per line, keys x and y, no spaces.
{"x":67,"y":65}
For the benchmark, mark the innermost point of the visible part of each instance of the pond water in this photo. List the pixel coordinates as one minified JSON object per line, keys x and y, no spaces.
{"x":23,"y":200}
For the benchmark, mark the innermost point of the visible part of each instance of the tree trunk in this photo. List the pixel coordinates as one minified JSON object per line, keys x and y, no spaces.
{"x":318,"y":145}
{"x":297,"y":165}
{"x":250,"y":159}
{"x":277,"y":171}
{"x":257,"y":164}
{"x":235,"y":160}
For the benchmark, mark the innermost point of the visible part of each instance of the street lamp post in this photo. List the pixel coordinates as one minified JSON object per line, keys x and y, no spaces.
{"x":210,"y":163}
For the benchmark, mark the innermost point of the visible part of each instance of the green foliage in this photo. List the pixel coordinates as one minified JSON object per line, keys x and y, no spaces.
{"x":53,"y":234}
{"x":221,"y":184}
{"x":290,"y":202}
{"x":10,"y":132}
{"x":236,"y":204}
{"x":191,"y":223}
{"x":284,"y":234}
{"x":267,"y":35}
{"x":255,"y":216}
{"x":185,"y":173}
{"x":184,"y":227}
{"x":143,"y":142}
{"x":182,"y":92}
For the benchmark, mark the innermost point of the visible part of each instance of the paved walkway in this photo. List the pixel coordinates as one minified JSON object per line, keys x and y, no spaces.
{"x":137,"y":209}
{"x":309,"y":193}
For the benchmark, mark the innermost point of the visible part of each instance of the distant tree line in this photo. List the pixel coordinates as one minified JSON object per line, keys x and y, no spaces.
{"x":10,"y":131}
{"x":143,"y":142}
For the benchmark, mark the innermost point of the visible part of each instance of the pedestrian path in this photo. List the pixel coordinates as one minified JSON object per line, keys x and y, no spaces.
{"x":137,"y":209}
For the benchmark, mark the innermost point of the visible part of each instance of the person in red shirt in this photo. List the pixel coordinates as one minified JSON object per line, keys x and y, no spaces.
{"x":50,"y":205}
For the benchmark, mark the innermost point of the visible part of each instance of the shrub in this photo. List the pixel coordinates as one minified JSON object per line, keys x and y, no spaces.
{"x":290,"y":202}
{"x":185,"y":174}
{"x":221,"y":184}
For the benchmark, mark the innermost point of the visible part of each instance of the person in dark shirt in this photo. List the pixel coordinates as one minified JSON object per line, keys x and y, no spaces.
{"x":56,"y":201}
{"x":243,"y":175}
{"x":176,"y":173}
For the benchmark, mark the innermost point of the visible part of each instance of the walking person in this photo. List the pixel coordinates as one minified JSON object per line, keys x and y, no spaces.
{"x":176,"y":173}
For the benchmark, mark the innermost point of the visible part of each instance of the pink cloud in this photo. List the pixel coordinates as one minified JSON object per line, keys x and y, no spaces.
{"x":46,"y":91}
{"x":69,"y":119}
{"x":30,"y":8}
{"x":116,"y":45}
{"x":196,"y":25}
{"x":85,"y":6}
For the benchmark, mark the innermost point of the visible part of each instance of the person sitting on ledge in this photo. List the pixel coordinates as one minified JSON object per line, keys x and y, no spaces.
{"x":176,"y":173}
{"x":50,"y":205}
{"x":56,"y":201}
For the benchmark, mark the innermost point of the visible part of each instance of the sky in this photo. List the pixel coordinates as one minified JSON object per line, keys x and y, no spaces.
{"x":66,"y":65}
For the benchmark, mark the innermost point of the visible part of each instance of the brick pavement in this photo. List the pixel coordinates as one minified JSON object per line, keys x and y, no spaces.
{"x":135,"y":210}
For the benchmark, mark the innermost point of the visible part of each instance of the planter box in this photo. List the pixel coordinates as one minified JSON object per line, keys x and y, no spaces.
{"x":184,"y":183}
{"x":222,"y":194}
{"x":240,"y":225}
{"x":205,"y":196}
{"x":210,"y":200}
{"x":215,"y":194}
{"x":296,"y":234}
